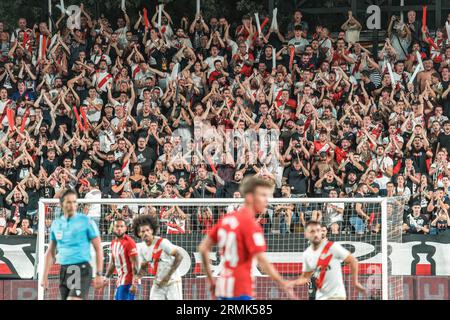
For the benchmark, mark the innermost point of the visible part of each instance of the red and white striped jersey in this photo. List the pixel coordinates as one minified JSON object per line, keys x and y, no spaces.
{"x":121,"y":252}
{"x":239,"y":237}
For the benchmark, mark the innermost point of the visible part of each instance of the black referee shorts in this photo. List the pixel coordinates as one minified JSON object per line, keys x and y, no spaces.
{"x":75,"y":280}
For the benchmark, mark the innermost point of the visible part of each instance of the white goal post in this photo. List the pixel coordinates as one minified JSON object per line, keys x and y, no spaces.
{"x":283,"y":231}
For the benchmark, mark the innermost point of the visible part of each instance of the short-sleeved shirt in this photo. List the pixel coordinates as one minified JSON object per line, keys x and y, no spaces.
{"x":333,"y":283}
{"x":239,"y":237}
{"x":121,"y":252}
{"x":160,"y":267}
{"x":73,"y":238}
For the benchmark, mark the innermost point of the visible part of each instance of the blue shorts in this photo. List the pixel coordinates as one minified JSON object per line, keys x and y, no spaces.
{"x":123,"y":293}
{"x":236,"y":298}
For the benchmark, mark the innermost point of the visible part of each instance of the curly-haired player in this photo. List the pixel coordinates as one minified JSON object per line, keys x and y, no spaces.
{"x":163,"y":256}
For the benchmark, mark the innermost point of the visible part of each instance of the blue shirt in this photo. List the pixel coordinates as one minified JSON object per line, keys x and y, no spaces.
{"x":73,"y":238}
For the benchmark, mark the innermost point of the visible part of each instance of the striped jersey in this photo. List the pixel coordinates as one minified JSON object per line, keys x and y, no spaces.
{"x":121,"y":252}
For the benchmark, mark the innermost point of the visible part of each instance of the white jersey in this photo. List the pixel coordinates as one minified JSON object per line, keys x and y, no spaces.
{"x":385,"y":162}
{"x":101,"y":80}
{"x":333,"y":283}
{"x":3,"y":105}
{"x":94,"y":210}
{"x":163,"y":265}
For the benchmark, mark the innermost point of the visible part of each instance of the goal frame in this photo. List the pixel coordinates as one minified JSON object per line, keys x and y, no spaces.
{"x":40,"y":254}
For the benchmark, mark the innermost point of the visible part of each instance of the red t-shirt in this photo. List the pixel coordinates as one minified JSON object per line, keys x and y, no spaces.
{"x":340,"y":154}
{"x":321,"y":147}
{"x":121,"y":252}
{"x":239,"y":237}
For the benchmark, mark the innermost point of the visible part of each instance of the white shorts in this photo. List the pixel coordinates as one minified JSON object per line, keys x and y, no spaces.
{"x":172,"y":291}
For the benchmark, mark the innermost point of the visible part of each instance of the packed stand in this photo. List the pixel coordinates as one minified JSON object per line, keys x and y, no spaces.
{"x":187,"y":109}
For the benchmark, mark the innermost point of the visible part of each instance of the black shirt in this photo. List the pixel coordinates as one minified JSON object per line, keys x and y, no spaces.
{"x":18,"y":208}
{"x":415,"y":222}
{"x":419,"y":159}
{"x":328,"y":186}
{"x":296,"y":180}
{"x":146,"y":158}
{"x":444,"y":141}
{"x":201,"y":191}
{"x":50,"y":165}
{"x":230,"y":188}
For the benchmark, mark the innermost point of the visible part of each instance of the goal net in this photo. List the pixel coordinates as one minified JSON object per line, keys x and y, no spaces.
{"x":186,"y":221}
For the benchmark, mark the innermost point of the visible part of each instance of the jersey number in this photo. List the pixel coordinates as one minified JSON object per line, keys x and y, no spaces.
{"x":227,"y":242}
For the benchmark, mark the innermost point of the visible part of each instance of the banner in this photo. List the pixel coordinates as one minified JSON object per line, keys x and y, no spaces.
{"x":17,"y":256}
{"x":417,"y":255}
{"x":414,"y":288}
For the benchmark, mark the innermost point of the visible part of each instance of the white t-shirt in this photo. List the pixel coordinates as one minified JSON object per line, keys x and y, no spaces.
{"x":333,"y":283}
{"x":377,"y":164}
{"x":94,"y":210}
{"x":97,"y":80}
{"x":299,"y":43}
{"x":93,"y":114}
{"x":166,"y":260}
{"x":3,"y":105}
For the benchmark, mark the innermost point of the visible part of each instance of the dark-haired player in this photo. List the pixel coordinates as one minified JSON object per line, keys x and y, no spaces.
{"x":72,"y":234}
{"x":322,"y":260}
{"x":124,"y":259}
{"x":240,"y":239}
{"x":312,"y":283}
{"x":163,"y":257}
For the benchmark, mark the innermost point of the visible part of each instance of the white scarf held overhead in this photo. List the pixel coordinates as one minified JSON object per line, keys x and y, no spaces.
{"x":258,"y":24}
{"x":447,"y":27}
{"x":160,"y":7}
{"x":197,"y":7}
{"x":419,"y":68}
{"x":391,"y":74}
{"x":274,"y":25}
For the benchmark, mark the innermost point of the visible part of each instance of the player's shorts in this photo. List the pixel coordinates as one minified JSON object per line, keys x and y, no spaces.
{"x":173,"y":291}
{"x":236,"y":298}
{"x":75,"y":280}
{"x":123,"y":292}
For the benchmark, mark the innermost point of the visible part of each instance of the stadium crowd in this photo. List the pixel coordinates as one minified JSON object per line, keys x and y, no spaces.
{"x":187,"y":109}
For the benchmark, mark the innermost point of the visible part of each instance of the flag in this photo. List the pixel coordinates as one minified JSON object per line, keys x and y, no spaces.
{"x":211,"y":164}
{"x":9,"y":114}
{"x":146,"y":23}
{"x":24,"y":119}
{"x":266,"y":21}
{"x":424,"y":18}
{"x":77,"y":117}
{"x":291,"y":57}
{"x":85,"y":120}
